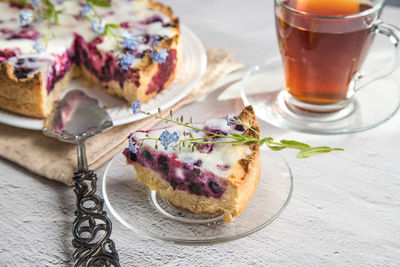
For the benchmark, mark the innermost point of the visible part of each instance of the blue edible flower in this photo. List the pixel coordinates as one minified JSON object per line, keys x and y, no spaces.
{"x":167,"y":138}
{"x":98,"y":26}
{"x":231,"y":119}
{"x":130,"y":43}
{"x":127,"y":61}
{"x":39,"y":46}
{"x":86,"y":9}
{"x":132,"y":145}
{"x":136,"y":106}
{"x":25,"y":17}
{"x":160,"y":57}
{"x":174,"y":137}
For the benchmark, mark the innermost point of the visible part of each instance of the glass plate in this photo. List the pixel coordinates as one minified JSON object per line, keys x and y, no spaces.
{"x":193,"y":66}
{"x":263,"y":88}
{"x":147,"y":214}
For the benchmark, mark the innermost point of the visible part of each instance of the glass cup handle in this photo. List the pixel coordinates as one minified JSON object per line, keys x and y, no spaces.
{"x":393,"y":33}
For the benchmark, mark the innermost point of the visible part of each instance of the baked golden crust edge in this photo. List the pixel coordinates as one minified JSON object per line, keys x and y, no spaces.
{"x":241,"y":183}
{"x":22,"y":96}
{"x":246,"y":174}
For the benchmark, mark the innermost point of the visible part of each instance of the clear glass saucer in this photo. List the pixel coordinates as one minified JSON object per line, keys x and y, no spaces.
{"x":263,"y":88}
{"x":146,"y":213}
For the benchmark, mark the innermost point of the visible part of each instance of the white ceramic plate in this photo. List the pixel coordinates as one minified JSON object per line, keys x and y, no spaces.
{"x":194,"y":63}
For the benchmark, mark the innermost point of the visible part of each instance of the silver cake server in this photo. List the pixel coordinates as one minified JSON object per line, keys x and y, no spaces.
{"x":75,"y":119}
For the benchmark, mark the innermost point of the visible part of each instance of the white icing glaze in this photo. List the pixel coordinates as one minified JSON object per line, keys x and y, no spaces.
{"x":222,"y":154}
{"x":62,"y":38}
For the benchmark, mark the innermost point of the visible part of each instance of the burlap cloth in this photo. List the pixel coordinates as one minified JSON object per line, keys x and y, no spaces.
{"x":56,"y":160}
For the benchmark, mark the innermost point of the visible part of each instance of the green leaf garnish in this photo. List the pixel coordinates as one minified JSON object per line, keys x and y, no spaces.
{"x":101,"y":3}
{"x":48,"y":4}
{"x":294,"y":144}
{"x":312,"y":151}
{"x":20,"y":2}
{"x":236,"y":135}
{"x":112,"y":25}
{"x":275,"y":148}
{"x":265,"y":140}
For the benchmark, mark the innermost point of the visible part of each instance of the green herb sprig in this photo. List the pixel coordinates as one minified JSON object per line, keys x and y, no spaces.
{"x":210,"y":137}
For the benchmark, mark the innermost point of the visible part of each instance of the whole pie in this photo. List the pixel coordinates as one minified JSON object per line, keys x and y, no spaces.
{"x":212,"y":178}
{"x":30,"y":81}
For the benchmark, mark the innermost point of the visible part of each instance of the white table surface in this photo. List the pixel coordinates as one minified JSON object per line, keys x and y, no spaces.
{"x":345,"y":209}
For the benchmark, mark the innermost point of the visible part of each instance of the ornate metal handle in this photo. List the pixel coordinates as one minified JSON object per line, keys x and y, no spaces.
{"x":92,"y":228}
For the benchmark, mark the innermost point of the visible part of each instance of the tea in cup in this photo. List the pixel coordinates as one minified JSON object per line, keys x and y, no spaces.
{"x":323,"y":44}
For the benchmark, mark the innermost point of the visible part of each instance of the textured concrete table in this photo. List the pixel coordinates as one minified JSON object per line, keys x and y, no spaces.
{"x":345,"y":209}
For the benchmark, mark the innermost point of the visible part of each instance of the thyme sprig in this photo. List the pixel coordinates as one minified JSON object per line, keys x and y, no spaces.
{"x":232,"y":138}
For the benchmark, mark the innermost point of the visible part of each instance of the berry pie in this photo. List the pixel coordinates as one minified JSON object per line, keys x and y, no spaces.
{"x":138,"y":61}
{"x":211,"y":178}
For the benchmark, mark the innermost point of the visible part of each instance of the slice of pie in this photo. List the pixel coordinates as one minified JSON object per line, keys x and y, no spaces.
{"x":214,"y":178}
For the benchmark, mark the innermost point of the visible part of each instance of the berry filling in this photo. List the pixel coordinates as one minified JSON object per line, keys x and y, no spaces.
{"x":205,"y":148}
{"x":24,"y":33}
{"x":239,"y":127}
{"x":62,"y":65}
{"x":22,"y":73}
{"x":223,"y":167}
{"x":24,"y":67}
{"x":163,"y":74}
{"x":180,"y":175}
{"x":7,"y":53}
{"x":126,"y":24}
{"x":208,"y":148}
{"x":156,"y":18}
{"x":103,"y":65}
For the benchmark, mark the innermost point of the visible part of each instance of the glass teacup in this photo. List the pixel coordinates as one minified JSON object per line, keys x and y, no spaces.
{"x":323,"y":44}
